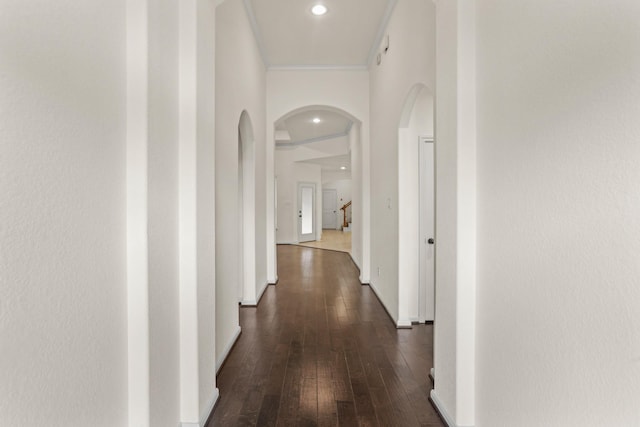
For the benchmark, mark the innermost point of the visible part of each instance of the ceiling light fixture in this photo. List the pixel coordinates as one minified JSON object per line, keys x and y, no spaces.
{"x":319,"y":9}
{"x":316,"y":120}
{"x":343,"y":168}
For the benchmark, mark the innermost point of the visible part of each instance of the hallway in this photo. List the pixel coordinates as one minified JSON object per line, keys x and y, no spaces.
{"x":320,"y":350}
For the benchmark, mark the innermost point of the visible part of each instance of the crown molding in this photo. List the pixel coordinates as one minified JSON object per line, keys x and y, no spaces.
{"x":317,"y":68}
{"x":248,"y":7}
{"x":381,"y":30}
{"x":256,"y":31}
{"x":312,"y":140}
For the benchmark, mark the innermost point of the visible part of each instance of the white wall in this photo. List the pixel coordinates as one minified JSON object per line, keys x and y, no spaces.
{"x":343,"y":195}
{"x":328,"y":176}
{"x":409,"y":61}
{"x":63,"y":295}
{"x":357,"y":241}
{"x":205,"y":203}
{"x":288,"y":90}
{"x":455,"y":249}
{"x":558,"y":207}
{"x":240,"y":86}
{"x":164,"y":321}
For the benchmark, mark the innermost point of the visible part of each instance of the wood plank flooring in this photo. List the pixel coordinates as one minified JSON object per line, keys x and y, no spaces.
{"x":336,"y":240}
{"x":319,"y":350}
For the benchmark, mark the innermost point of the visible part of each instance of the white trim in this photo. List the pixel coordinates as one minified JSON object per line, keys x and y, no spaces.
{"x":254,"y":303}
{"x":251,"y":16}
{"x":404,"y":324}
{"x":227,"y":349}
{"x":312,"y":140}
{"x":443,"y":413}
{"x":274,"y":282}
{"x":261,"y":292}
{"x":356,"y":264}
{"x":209,"y":409}
{"x":375,"y":291}
{"x":318,"y":67}
{"x":381,"y":30}
{"x":189,"y":425}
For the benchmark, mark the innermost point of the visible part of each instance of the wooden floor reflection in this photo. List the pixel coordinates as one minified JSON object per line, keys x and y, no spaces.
{"x":319,"y":350}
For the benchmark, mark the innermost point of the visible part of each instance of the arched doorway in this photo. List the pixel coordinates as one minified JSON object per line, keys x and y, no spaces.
{"x":338,"y":148}
{"x":416,"y":188}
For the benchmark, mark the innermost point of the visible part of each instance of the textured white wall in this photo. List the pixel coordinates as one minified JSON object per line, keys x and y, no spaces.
{"x":410,"y":60}
{"x":164,"y":338}
{"x":206,"y":204}
{"x":355,"y":144}
{"x":240,"y":86}
{"x":63,"y":305}
{"x":558,"y":213}
{"x":455,"y":256}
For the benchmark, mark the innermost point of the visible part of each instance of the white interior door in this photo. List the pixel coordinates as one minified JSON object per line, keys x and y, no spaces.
{"x":329,"y":208}
{"x":426,"y":306}
{"x":306,"y":210}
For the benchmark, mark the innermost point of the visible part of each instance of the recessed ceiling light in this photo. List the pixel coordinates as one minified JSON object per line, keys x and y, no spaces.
{"x":316,"y":120}
{"x":343,"y":168}
{"x":319,"y":9}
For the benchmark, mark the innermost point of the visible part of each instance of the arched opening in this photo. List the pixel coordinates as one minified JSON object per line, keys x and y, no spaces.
{"x":246,"y":212}
{"x":320,"y":144}
{"x":416,"y":189}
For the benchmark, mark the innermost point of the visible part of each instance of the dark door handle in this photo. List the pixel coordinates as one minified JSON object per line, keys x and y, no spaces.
{"x":431,"y":241}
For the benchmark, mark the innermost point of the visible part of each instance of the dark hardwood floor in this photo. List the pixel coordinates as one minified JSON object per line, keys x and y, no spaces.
{"x":319,"y":350}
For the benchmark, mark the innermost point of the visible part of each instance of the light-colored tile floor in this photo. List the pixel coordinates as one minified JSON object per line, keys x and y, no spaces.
{"x":332,"y":239}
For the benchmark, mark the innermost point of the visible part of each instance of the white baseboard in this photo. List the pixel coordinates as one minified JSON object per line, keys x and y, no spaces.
{"x":254,"y":303}
{"x":261,"y":292}
{"x":272,"y":281}
{"x":209,"y":409}
{"x":404,"y":324}
{"x":443,"y":413}
{"x":227,"y":349}
{"x":375,"y":291}
{"x":206,"y":413}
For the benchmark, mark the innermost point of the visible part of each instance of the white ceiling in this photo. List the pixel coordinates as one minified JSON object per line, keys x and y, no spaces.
{"x":333,"y":164}
{"x":290,"y":37}
{"x":302,"y":129}
{"x":348,"y":35}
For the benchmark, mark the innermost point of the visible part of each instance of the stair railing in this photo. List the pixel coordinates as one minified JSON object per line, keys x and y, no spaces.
{"x":344,"y":210}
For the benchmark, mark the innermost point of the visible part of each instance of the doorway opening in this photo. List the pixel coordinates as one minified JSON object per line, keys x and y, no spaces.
{"x":416,"y":239}
{"x":329,"y":208}
{"x":322,"y":144}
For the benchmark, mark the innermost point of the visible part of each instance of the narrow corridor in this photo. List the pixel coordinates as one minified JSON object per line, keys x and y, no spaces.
{"x":320,"y":350}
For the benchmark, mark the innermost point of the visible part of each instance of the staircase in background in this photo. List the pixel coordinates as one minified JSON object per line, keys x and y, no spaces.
{"x":346,"y":217}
